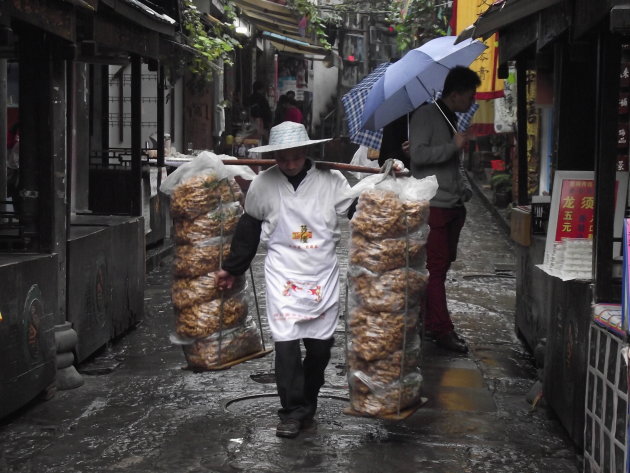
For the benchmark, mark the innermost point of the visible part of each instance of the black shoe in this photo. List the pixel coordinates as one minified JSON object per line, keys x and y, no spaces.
{"x":450,"y":342}
{"x":289,"y":428}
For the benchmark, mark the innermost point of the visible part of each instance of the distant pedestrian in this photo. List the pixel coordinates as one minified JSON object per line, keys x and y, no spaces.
{"x":292,"y":113}
{"x":281,"y":107}
{"x":259,"y":109}
{"x":435,"y":147}
{"x":293,"y":208}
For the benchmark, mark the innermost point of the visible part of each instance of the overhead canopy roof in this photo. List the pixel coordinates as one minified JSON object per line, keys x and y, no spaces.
{"x":282,"y":43}
{"x":279,"y":24}
{"x":501,"y":14}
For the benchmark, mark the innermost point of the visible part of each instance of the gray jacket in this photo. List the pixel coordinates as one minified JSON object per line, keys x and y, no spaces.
{"x":433,"y":152}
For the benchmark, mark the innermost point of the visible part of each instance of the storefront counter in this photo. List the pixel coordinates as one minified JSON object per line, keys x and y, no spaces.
{"x":554,"y":315}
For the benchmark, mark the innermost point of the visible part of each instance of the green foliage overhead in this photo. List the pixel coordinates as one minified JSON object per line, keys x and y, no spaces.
{"x":315,"y":22}
{"x":211,"y":43}
{"x":424,"y":21}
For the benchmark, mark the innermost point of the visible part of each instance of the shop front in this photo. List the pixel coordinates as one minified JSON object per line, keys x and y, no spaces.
{"x":72,"y":269}
{"x":569,"y":224}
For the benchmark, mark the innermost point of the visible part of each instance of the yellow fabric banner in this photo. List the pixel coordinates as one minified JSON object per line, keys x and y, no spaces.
{"x":465,"y":14}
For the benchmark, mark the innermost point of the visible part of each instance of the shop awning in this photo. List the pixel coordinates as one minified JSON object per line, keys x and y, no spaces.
{"x":501,"y":14}
{"x":285,"y":44}
{"x":279,"y":25}
{"x":143,"y":15}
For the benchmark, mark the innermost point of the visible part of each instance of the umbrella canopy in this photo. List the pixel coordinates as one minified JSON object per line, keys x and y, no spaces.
{"x":353,"y":104}
{"x":417,"y":77}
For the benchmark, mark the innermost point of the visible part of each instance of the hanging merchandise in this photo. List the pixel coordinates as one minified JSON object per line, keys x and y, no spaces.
{"x":505,"y":107}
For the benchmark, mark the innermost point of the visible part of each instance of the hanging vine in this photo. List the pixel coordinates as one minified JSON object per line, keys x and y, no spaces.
{"x":423,"y":21}
{"x":212,"y":43}
{"x":316,"y":24}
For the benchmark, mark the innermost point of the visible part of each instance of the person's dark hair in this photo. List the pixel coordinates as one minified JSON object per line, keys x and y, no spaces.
{"x":460,"y":79}
{"x":291,"y":94}
{"x":283,"y":99}
{"x":258,"y":85}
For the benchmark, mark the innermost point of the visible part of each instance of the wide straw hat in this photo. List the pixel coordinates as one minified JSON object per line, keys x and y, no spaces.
{"x":287,"y":135}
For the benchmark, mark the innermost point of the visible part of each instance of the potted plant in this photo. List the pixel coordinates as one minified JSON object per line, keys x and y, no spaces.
{"x":501,"y":184}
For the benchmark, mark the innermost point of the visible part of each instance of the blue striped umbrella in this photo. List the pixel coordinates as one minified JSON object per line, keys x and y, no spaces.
{"x":464,"y":118}
{"x":353,"y":104}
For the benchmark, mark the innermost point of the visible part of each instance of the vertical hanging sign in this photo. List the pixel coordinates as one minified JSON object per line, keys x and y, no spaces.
{"x":466,"y":13}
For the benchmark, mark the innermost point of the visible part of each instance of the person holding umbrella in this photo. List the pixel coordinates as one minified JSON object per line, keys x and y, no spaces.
{"x":292,"y":207}
{"x":435,"y":146}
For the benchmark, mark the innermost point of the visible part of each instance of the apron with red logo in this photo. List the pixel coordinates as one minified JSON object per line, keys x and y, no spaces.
{"x":301,"y":267}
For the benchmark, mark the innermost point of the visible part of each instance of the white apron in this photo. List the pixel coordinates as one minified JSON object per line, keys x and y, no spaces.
{"x":301,"y":267}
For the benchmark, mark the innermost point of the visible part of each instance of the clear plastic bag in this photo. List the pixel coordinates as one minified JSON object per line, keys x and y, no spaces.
{"x":220,"y":349}
{"x":205,"y":164}
{"x":378,"y":374}
{"x":201,"y":258}
{"x":220,"y":221}
{"x":202,"y":194}
{"x":376,"y":335}
{"x":381,"y":400}
{"x":186,"y":292}
{"x":387,"y":279}
{"x":390,"y":291}
{"x":384,"y":254}
{"x":207,"y":318}
{"x":381,"y":214}
{"x":406,"y":188}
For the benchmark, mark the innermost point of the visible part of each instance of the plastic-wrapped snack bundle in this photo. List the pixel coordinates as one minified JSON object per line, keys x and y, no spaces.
{"x":187,"y":292}
{"x":207,"y":318}
{"x":219,"y":349}
{"x":218,"y":222}
{"x":386,"y":370}
{"x":380,"y":255}
{"x":389,"y":291}
{"x":387,"y":278}
{"x":381,"y":214}
{"x":206,"y":204}
{"x":201,"y":194}
{"x":201,"y":258}
{"x":376,"y":335}
{"x":381,"y":400}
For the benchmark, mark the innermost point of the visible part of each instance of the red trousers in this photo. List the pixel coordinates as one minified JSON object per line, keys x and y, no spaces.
{"x":446,"y":225}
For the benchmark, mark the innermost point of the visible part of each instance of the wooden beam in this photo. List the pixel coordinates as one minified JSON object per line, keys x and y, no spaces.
{"x":606,"y":92}
{"x":58,"y":18}
{"x":521,"y":112}
{"x":126,"y":37}
{"x":136,"y":131}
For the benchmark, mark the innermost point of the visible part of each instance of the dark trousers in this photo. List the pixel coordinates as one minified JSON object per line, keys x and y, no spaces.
{"x":299,"y":381}
{"x":446,"y":225}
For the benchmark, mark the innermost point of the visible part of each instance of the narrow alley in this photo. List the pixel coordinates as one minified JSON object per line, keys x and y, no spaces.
{"x":140,"y":411}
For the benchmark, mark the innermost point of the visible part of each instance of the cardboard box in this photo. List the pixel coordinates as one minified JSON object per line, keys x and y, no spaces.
{"x":521,"y":225}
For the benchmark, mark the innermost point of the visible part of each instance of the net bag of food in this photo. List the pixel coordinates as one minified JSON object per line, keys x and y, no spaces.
{"x":387,"y":278}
